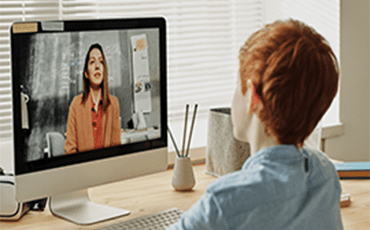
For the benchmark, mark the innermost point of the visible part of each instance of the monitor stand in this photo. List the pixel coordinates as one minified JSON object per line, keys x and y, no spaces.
{"x":78,"y":208}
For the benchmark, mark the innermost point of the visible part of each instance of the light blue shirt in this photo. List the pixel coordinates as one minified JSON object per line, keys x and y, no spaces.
{"x":280,"y":187}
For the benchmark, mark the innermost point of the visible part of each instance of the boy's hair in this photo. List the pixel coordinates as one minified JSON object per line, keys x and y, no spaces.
{"x":295,"y":73}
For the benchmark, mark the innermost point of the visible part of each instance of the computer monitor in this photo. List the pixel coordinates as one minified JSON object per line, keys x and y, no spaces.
{"x":89,"y":108}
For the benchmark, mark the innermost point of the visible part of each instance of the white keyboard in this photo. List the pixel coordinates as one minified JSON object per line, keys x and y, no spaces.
{"x":156,"y":221}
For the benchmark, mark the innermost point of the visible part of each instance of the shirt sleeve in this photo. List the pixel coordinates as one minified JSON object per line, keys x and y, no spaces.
{"x":203,"y":215}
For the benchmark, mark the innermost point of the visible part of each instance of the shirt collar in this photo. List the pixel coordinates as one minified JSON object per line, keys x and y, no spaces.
{"x":95,"y":107}
{"x":274,"y":153}
{"x":92,"y":100}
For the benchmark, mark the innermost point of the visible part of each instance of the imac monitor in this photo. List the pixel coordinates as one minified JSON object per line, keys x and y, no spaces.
{"x":89,"y":108}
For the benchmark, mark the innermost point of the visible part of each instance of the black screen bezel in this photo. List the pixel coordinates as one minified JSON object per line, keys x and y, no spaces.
{"x":21,"y":166}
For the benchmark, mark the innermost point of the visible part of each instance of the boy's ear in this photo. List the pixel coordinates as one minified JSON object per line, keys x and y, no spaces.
{"x":253,"y":98}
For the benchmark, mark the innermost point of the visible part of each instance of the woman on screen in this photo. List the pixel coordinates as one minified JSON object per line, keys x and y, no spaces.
{"x":94,"y":117}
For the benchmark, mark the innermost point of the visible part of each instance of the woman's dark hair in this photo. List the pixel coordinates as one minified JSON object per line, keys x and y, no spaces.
{"x":103,"y":85}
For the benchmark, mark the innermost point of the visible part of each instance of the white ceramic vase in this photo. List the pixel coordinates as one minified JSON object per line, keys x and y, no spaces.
{"x":183,"y":176}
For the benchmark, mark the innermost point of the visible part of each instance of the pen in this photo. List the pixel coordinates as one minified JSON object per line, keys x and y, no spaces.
{"x":173,"y":141}
{"x":191,"y":129}
{"x":185,"y":127}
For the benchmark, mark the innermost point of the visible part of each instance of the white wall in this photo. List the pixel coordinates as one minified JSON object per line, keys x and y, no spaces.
{"x":355,"y":85}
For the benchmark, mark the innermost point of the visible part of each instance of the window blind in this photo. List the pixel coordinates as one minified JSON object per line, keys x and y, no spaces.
{"x":203,"y":39}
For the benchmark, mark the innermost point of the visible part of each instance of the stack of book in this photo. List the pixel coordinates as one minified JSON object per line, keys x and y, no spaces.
{"x":353,"y":170}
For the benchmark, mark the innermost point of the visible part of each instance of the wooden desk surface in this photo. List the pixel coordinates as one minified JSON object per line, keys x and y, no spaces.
{"x":154,"y":193}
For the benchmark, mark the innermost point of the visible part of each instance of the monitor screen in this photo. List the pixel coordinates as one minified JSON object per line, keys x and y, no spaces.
{"x":50,"y":69}
{"x":89,"y":106}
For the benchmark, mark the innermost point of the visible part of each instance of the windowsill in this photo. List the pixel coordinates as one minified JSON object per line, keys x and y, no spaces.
{"x":331,"y":131}
{"x":198,"y":155}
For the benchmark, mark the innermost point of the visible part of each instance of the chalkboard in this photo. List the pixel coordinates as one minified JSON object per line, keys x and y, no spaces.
{"x":45,"y":85}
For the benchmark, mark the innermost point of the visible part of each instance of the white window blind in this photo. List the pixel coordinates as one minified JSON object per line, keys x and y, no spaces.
{"x":203,"y":40}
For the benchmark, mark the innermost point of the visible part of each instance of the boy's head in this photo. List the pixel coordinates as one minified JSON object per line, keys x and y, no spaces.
{"x":294,"y":74}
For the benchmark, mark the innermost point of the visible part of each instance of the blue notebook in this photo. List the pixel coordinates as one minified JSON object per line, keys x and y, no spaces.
{"x":353,"y":166}
{"x":356,"y":170}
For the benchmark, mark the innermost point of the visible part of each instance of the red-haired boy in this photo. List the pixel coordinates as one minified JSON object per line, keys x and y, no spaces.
{"x":288,"y":79}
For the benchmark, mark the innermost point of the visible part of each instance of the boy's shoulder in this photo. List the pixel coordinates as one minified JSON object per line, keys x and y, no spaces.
{"x":323,"y":167}
{"x":276,"y":173}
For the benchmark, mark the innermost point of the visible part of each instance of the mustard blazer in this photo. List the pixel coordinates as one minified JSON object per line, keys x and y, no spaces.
{"x":79,"y":125}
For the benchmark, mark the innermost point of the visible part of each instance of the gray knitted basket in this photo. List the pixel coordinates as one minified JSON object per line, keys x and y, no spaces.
{"x":224,"y":153}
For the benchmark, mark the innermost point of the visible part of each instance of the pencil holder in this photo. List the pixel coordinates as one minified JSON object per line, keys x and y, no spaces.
{"x":183,"y":175}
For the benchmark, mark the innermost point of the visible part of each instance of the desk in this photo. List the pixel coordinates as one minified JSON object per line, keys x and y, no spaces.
{"x":154,"y":193}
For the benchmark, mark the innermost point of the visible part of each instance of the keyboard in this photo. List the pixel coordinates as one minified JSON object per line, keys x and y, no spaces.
{"x":156,"y":221}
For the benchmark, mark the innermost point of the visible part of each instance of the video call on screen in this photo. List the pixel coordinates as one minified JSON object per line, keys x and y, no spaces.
{"x":51,"y":75}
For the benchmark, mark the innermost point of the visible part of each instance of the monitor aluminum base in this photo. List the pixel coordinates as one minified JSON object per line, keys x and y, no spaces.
{"x":79,"y":209}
